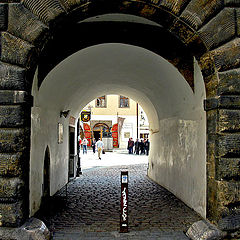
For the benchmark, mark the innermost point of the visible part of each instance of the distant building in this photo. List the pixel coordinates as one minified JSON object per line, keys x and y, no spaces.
{"x":115,"y":117}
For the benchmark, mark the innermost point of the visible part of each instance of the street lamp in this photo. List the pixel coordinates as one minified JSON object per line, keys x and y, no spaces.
{"x":64,"y":113}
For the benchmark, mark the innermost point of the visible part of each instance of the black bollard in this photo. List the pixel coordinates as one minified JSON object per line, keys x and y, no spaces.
{"x":124,"y":202}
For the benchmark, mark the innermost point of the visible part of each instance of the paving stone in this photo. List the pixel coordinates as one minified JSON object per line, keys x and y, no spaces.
{"x":143,"y":235}
{"x":92,"y":207}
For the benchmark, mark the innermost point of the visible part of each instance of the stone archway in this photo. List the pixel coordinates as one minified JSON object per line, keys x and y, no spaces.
{"x":210,"y":31}
{"x":173,"y":111}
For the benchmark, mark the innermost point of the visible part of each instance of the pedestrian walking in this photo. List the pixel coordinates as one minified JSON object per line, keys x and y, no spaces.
{"x":130,"y":146}
{"x":147,"y":146}
{"x":137,"y":145}
{"x":142,"y":148}
{"x":99,"y":145}
{"x":94,"y":145}
{"x":84,"y":143}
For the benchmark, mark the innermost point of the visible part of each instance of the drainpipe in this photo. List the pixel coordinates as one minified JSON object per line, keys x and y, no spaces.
{"x":118,"y":129}
{"x":79,"y":170}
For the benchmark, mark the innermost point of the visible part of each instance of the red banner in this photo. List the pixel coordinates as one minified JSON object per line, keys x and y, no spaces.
{"x":115,"y":128}
{"x":86,"y":127}
{"x":87,"y":133}
{"x":115,"y":135}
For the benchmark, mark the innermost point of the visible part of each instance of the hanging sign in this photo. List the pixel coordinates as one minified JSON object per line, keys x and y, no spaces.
{"x":124,"y":202}
{"x":85,"y":116}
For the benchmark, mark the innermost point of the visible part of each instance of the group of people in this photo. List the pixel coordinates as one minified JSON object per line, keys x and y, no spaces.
{"x":95,"y":145}
{"x":140,"y":147}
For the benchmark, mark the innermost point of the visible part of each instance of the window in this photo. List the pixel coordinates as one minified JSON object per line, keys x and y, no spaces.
{"x":124,"y":102}
{"x":101,"y":102}
{"x":144,"y":135}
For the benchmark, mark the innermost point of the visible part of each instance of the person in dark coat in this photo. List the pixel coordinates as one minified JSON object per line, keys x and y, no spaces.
{"x":147,"y":146}
{"x":142,"y":148}
{"x":137,"y":145}
{"x":94,"y":145}
{"x":130,"y":146}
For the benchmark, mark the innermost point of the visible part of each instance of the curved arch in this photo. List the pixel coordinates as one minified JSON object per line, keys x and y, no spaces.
{"x":52,"y":14}
{"x":102,"y":54}
{"x":101,"y":124}
{"x":40,"y":170}
{"x":182,"y":18}
{"x":155,"y":39}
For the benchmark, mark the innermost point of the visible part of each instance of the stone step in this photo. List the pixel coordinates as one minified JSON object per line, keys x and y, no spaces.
{"x":137,"y":235}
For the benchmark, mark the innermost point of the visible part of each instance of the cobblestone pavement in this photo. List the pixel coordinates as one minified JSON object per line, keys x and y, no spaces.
{"x":140,"y":235}
{"x":91,"y":208}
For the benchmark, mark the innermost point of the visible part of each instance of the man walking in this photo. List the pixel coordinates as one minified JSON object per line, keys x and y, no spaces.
{"x":99,"y":146}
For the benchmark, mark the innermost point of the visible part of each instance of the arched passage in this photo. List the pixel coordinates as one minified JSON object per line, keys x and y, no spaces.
{"x":173,"y":109}
{"x":208,"y":29}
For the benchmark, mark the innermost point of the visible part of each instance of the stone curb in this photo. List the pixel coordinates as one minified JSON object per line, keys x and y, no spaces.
{"x":204,"y":230}
{"x":33,"y":229}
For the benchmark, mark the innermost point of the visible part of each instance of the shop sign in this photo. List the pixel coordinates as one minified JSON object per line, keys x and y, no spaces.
{"x":85,"y":116}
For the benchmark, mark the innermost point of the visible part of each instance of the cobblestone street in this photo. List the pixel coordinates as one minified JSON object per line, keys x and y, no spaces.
{"x":91,"y":208}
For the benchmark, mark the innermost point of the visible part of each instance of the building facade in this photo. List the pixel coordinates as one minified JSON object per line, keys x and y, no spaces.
{"x":118,"y":117}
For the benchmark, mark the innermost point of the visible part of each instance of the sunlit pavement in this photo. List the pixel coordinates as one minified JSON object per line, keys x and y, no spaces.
{"x":115,"y":158}
{"x":90,"y":208}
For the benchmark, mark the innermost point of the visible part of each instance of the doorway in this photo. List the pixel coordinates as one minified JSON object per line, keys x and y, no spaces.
{"x":96,"y":134}
{"x":46,"y":177}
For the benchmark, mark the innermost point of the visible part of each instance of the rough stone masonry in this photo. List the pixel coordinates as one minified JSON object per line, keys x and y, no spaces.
{"x":210,"y":31}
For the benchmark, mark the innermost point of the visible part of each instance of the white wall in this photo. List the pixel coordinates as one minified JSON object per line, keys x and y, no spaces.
{"x":129,"y":125}
{"x":177,"y":160}
{"x":44,"y":122}
{"x":175,"y":115}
